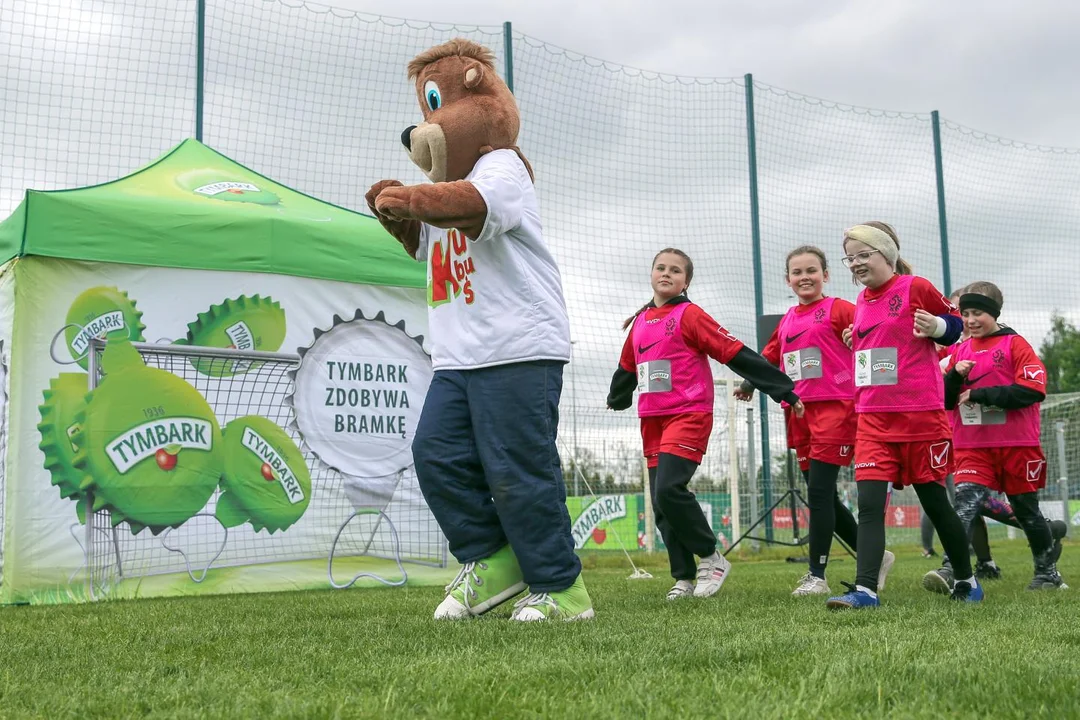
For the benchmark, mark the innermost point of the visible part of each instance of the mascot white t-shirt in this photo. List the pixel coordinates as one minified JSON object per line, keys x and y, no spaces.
{"x":497,"y":299}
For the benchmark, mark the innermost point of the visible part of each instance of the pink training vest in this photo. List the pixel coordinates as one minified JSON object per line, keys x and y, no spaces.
{"x":980,"y":426}
{"x":812,"y":355}
{"x":894,"y":371}
{"x":672,"y":378}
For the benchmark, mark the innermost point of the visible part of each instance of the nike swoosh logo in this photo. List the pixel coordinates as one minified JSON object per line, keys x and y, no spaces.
{"x":973,"y":380}
{"x":793,"y":338}
{"x":641,"y":350}
{"x":867,"y":331}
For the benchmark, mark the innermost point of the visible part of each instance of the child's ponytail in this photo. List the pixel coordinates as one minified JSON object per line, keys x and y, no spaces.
{"x":630,"y":320}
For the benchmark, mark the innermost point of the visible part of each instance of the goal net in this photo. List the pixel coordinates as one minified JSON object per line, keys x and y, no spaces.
{"x":383,"y":517}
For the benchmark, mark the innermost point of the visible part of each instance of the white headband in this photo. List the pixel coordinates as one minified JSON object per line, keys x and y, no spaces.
{"x":877,"y":239}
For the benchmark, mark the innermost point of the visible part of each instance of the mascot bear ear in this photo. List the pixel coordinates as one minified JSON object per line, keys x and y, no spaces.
{"x":474,"y":73}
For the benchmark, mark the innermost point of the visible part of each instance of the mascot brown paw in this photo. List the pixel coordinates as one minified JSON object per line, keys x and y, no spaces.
{"x":404,"y":229}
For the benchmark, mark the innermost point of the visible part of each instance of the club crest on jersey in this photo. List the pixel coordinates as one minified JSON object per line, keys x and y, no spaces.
{"x":819,"y":315}
{"x":669,"y":326}
{"x":792,"y":359}
{"x":895,"y":303}
{"x":1035,"y":374}
{"x":999,"y":357}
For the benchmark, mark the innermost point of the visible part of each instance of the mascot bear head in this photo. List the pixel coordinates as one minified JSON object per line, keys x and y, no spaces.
{"x":468,"y":110}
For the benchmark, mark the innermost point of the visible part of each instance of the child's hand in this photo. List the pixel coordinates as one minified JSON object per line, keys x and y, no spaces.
{"x":799,"y":409}
{"x":965,"y":397}
{"x":847,"y":335}
{"x":744,"y":396}
{"x":964,"y":367}
{"x":925,"y":324}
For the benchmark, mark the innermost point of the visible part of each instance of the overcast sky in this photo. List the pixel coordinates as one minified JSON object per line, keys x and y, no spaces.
{"x":1007,"y":68}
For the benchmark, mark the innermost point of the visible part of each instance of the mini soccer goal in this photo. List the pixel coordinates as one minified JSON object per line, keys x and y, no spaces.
{"x":344,"y":517}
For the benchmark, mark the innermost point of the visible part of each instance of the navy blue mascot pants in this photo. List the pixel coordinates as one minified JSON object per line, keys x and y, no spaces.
{"x":489,"y":468}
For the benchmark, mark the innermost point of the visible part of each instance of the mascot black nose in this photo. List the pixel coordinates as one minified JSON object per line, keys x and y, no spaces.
{"x":406,"y":137}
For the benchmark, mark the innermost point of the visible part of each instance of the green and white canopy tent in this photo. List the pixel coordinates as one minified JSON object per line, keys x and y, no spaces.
{"x":209,"y":382}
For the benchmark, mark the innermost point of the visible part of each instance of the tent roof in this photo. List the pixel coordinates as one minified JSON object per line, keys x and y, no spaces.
{"x":195,"y":208}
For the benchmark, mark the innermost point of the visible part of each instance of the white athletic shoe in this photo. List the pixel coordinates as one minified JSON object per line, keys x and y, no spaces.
{"x":451,"y":609}
{"x":811,"y":585}
{"x":712,"y":571}
{"x":681,"y":589}
{"x":886,"y":565}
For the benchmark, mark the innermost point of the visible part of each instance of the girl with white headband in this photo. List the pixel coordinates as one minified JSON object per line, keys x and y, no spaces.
{"x":808,"y":345}
{"x":903,"y":434}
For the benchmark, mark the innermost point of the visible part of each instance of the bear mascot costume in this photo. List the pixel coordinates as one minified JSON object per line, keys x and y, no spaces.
{"x":485,"y":450}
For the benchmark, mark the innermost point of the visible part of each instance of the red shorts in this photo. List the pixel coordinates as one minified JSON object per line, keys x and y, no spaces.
{"x":904,"y":463}
{"x":685,"y":435}
{"x":1011,"y":470}
{"x":798,"y":431}
{"x":826,"y":432}
{"x":798,"y":437}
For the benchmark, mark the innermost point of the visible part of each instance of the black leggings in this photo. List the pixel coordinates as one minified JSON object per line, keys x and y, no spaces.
{"x":679,"y":518}
{"x":970,"y":499}
{"x":980,"y":537}
{"x":872,"y":497}
{"x":828,"y":515}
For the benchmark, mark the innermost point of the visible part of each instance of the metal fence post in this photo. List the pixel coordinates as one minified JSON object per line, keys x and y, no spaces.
{"x":752,"y":484}
{"x":508,"y":53}
{"x":943,"y":228}
{"x":200,"y":65}
{"x":759,"y":295}
{"x":1063,"y":471}
{"x":650,"y":521}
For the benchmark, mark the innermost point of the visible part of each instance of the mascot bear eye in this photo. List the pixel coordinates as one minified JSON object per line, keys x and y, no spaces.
{"x":432,"y":96}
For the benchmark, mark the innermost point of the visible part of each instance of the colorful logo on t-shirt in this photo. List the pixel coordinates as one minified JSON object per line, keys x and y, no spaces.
{"x":449,"y":270}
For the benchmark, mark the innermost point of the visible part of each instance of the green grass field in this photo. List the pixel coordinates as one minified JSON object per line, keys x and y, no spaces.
{"x":752,"y":651}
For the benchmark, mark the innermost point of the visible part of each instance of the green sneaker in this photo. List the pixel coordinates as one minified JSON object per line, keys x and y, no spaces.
{"x":573,"y":603}
{"x":482,"y":585}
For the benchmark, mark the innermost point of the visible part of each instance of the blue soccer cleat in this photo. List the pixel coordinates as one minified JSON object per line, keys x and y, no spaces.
{"x":853,"y":599}
{"x":965,"y":592}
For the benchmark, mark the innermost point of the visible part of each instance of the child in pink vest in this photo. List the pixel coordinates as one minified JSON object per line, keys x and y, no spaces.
{"x":808,"y":346}
{"x":666,"y":358}
{"x":992,"y":507}
{"x":903,"y":434}
{"x":994,"y":386}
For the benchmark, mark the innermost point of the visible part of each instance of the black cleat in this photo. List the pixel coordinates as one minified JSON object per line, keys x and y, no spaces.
{"x":1048,"y":581}
{"x":987,"y":571}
